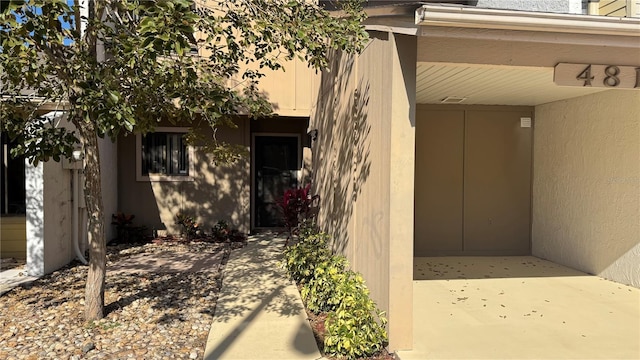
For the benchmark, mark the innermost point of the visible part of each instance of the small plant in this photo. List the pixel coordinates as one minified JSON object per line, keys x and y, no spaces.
{"x":297,"y":206}
{"x":126,"y":231}
{"x":190,"y":227}
{"x":222,"y":232}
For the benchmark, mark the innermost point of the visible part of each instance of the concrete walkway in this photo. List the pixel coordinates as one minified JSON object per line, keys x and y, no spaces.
{"x":259,"y":314}
{"x":519,"y":308}
{"x":13,"y":277}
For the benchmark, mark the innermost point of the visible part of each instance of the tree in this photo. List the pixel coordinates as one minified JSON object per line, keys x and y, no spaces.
{"x":50,"y":54}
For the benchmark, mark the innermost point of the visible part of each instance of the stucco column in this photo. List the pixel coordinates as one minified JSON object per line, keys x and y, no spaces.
{"x":34,"y":184}
{"x":401,"y":182}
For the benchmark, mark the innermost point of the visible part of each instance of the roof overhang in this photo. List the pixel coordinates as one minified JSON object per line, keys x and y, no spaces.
{"x":504,"y":57}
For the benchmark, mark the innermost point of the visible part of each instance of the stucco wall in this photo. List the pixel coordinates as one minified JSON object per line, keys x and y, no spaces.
{"x":48,"y":203}
{"x":217,"y":192}
{"x":363,"y":169}
{"x":586,"y":186}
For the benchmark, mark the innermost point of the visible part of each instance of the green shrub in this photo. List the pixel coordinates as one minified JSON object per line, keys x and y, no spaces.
{"x":356,"y":328}
{"x":308,"y":228}
{"x":319,"y":292}
{"x":300,"y":259}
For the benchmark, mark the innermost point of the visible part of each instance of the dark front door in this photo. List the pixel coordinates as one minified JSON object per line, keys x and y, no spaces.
{"x":276,"y":164}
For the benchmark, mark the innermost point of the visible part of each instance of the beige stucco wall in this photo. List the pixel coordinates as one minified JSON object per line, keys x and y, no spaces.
{"x":363,"y":170}
{"x":586,"y":185}
{"x":217,"y":192}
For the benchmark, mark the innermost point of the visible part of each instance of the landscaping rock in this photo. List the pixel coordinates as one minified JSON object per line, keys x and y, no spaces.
{"x":149,"y":314}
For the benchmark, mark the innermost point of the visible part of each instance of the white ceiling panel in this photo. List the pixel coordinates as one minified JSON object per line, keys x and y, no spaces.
{"x":491,"y":85}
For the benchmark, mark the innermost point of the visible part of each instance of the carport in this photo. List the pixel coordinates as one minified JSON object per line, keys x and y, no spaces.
{"x":514,"y":157}
{"x":466,"y":132}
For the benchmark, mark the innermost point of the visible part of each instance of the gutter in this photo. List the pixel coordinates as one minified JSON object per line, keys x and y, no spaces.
{"x":477,"y":18}
{"x":401,"y":9}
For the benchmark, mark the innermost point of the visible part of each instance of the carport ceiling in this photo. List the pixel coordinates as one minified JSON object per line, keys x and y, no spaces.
{"x":491,"y":85}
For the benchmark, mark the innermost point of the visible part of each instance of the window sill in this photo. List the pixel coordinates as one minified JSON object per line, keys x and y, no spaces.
{"x":165,"y":178}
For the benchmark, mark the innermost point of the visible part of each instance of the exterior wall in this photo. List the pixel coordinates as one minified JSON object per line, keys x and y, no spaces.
{"x":619,"y":8}
{"x":217,"y":192}
{"x":13,"y":237}
{"x":556,"y":6}
{"x":291,"y":92}
{"x":365,"y":116}
{"x":473,"y":180}
{"x":109,"y":178}
{"x":586,"y":193}
{"x":48,"y":201}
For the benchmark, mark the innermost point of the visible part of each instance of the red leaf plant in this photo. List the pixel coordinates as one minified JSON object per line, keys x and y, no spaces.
{"x":297,"y":206}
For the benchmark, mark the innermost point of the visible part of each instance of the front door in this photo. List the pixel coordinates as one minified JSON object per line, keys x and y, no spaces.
{"x":276,"y":167}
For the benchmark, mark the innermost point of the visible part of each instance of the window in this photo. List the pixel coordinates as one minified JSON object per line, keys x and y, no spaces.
{"x":164,"y":156}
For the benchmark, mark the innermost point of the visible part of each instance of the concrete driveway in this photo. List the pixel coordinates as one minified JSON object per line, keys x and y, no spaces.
{"x":519,"y":308}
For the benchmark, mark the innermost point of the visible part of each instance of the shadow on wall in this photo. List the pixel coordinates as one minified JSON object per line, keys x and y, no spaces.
{"x":341,"y":154}
{"x":216,"y":192}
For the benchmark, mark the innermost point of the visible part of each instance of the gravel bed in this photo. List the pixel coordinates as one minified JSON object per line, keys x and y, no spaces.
{"x":149,"y":315}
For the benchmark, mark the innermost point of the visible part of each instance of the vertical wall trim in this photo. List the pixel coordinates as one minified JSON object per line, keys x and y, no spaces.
{"x":464,"y":160}
{"x":402,"y":195}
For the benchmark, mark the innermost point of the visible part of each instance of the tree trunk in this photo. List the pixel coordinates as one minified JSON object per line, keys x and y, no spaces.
{"x":94,"y":291}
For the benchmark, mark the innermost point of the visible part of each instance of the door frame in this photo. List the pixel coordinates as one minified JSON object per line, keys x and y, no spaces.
{"x":253,"y":170}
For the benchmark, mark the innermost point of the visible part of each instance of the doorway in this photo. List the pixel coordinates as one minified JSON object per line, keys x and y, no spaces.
{"x":276,"y":167}
{"x":473,"y":180}
{"x":12,"y":191}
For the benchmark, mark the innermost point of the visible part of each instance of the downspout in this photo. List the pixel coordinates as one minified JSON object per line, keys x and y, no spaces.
{"x":84,"y":218}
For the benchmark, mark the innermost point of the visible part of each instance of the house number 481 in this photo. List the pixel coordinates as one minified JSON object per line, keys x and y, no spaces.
{"x":590,"y":75}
